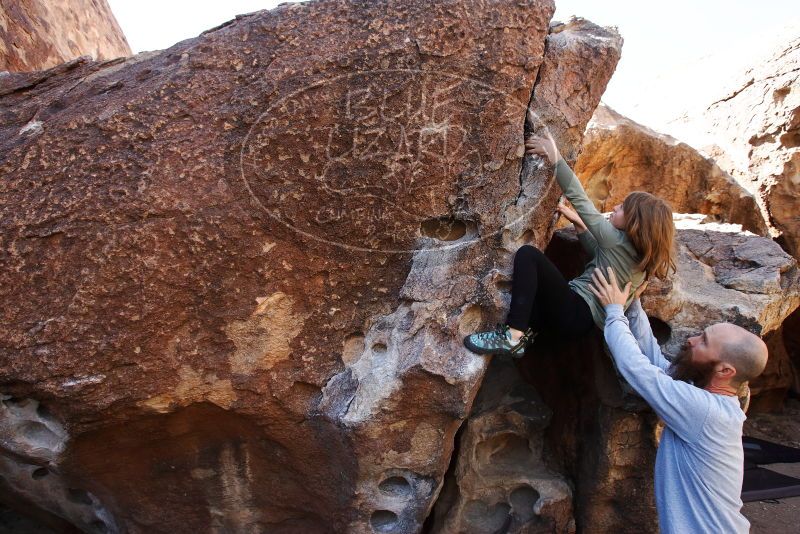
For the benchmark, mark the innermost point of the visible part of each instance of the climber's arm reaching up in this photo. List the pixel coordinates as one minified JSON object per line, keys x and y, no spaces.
{"x":602,"y":230}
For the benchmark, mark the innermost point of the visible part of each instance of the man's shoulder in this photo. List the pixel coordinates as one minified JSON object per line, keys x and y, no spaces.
{"x":724,"y":411}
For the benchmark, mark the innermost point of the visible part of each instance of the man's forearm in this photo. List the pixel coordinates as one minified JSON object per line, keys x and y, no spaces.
{"x":682,"y":406}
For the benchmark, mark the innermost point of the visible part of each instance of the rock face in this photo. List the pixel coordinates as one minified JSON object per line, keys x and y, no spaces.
{"x":619,"y":155}
{"x":499,"y":479}
{"x":755,"y":131}
{"x":236,"y":273}
{"x":39,"y":34}
{"x":500,"y":482}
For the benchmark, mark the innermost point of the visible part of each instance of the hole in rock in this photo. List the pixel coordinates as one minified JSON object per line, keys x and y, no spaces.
{"x":523,"y":500}
{"x":41,"y":472}
{"x":395,"y":486}
{"x":470,"y":320}
{"x":383,"y":520}
{"x":379,"y":348}
{"x":353,"y":348}
{"x":779,"y":94}
{"x":445,"y":229}
{"x":487,"y":518}
{"x":528,"y":237}
{"x":78,"y":496}
{"x":504,"y":285}
{"x":661,"y":330}
{"x":504,"y":450}
{"x":39,"y":434}
{"x":43,"y":412}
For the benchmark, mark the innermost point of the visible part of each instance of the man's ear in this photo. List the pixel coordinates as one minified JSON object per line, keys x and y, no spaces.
{"x":725,"y":370}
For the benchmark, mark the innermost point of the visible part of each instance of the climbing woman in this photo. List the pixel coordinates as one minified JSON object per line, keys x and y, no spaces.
{"x":636,"y":241}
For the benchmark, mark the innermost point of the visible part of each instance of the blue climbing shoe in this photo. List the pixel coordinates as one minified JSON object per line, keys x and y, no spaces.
{"x":498,"y":341}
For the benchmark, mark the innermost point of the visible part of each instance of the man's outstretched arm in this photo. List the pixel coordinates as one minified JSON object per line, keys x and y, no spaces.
{"x":683,"y":407}
{"x":643,"y":332}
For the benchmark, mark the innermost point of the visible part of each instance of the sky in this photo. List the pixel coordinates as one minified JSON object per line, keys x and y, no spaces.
{"x":678,"y":56}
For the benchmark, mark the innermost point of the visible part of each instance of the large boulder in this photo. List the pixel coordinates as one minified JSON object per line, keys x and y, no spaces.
{"x":753,"y":132}
{"x":236,"y":273}
{"x":39,"y":34}
{"x":619,"y":155}
{"x":499,"y":480}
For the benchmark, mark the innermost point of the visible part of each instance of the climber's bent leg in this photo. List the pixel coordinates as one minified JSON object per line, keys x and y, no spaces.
{"x":536,"y":281}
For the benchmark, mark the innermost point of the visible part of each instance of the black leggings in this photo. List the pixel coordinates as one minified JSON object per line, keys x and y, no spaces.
{"x":541,"y":298}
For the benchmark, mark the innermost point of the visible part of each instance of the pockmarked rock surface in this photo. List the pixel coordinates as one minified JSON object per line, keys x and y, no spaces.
{"x":236,"y":273}
{"x":39,"y":34}
{"x":499,"y":480}
{"x":619,"y":155}
{"x":753,"y":132}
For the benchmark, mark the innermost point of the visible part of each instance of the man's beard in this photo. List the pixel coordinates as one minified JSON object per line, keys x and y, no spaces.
{"x":683,"y":368}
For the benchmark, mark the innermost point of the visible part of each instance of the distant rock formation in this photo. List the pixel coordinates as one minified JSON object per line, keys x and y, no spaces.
{"x":619,"y":155}
{"x":39,"y":34}
{"x":754,"y":134}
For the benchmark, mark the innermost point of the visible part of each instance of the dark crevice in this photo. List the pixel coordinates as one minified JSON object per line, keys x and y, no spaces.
{"x":442,"y":505}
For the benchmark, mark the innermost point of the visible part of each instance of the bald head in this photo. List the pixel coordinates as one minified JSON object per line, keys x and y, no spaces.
{"x":745,"y":351}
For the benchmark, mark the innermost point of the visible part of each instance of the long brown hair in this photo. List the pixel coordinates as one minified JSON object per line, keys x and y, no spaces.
{"x":648,"y":222}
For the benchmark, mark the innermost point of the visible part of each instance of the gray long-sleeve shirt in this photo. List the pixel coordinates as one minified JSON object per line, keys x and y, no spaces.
{"x":700,"y":461}
{"x":607,"y":246}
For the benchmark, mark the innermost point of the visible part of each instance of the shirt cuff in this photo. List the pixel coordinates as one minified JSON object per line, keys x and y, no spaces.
{"x":614,"y":309}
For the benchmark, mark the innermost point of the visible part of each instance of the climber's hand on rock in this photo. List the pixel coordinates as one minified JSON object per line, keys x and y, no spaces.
{"x":543,"y":146}
{"x":572,"y":216}
{"x":607,"y":291}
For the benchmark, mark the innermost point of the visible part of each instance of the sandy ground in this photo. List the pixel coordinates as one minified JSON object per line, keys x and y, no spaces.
{"x":780,"y":516}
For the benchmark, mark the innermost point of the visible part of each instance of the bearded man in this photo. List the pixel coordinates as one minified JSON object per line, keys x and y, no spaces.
{"x":700,"y":461}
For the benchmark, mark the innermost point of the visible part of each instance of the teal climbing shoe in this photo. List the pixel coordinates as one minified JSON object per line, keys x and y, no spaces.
{"x":498,"y":341}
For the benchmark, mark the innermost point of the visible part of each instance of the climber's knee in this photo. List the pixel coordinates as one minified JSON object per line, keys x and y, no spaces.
{"x":528,"y":253}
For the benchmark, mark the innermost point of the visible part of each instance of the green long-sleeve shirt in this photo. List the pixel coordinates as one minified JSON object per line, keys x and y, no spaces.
{"x":607,"y":246}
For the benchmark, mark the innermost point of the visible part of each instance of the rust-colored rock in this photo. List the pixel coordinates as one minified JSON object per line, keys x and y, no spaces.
{"x":619,"y":155}
{"x":39,"y":34}
{"x":237,"y":272}
{"x":753,"y":132}
{"x":499,"y":479}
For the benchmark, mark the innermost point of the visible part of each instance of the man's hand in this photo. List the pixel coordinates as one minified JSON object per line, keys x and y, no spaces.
{"x":572,"y":216}
{"x":608,"y":293}
{"x":543,"y":147}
